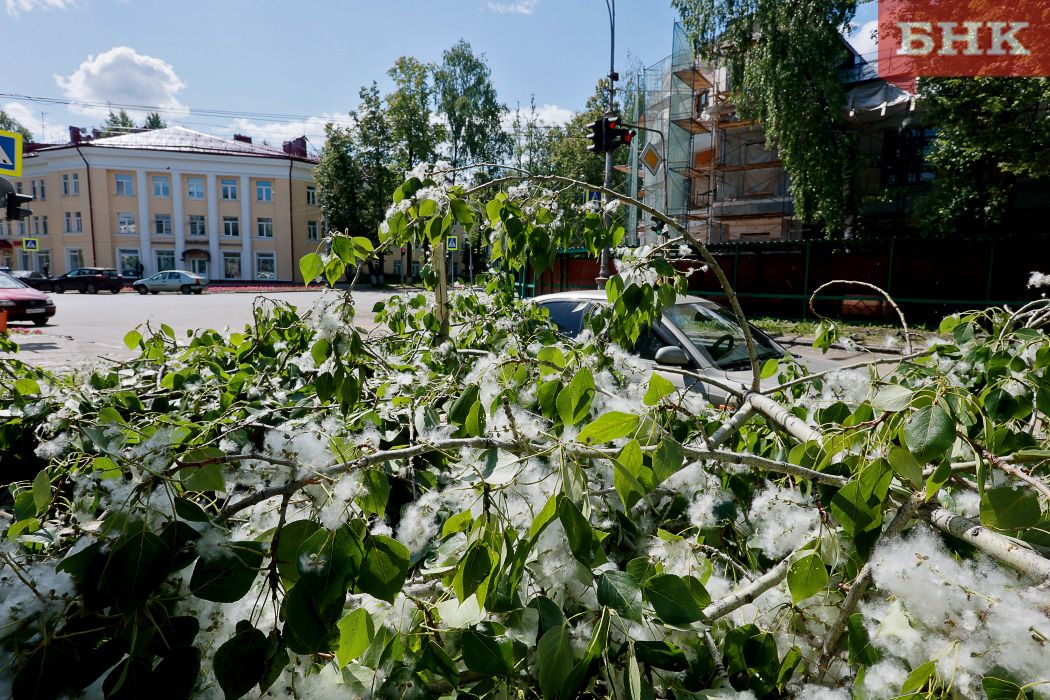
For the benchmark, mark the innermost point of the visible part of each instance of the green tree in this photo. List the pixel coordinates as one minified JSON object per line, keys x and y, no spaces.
{"x":153,"y":121}
{"x":9,"y":123}
{"x":415,"y":137}
{"x":374,"y":150}
{"x":990,"y":131}
{"x":117,"y":124}
{"x":532,"y":141}
{"x":784,"y":58}
{"x":340,"y":180}
{"x":468,"y":102}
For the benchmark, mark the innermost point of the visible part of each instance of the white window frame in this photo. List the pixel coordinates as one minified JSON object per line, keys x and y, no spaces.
{"x":76,"y":184}
{"x":261,"y":255}
{"x":43,"y":190}
{"x":311,"y":196}
{"x":78,"y":223}
{"x":192,"y":224}
{"x":65,"y":185}
{"x":21,"y":227}
{"x":164,"y":183}
{"x":68,"y":217}
{"x":131,"y":227}
{"x":232,"y":255}
{"x":312,"y":231}
{"x":32,"y":188}
{"x":192,"y":190}
{"x":43,"y":259}
{"x":36,"y":225}
{"x":231,"y":226}
{"x":158,"y":254}
{"x":264,"y":190}
{"x":162,"y":224}
{"x":121,"y":252}
{"x":264,"y":227}
{"x":70,"y":263}
{"x":123,"y":185}
{"x":228,"y":187}
{"x":43,"y":226}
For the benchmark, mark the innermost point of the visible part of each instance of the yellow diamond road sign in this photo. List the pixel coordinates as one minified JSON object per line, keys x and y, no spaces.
{"x":651,"y":159}
{"x":10,"y":154}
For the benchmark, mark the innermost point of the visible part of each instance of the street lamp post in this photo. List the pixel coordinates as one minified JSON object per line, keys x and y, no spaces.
{"x":610,"y":5}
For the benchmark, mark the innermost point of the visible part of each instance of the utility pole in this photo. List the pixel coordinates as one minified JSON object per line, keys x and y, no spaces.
{"x":610,"y":5}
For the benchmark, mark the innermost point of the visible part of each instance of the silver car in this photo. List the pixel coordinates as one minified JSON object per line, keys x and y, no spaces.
{"x":171,"y":281}
{"x":695,"y":334}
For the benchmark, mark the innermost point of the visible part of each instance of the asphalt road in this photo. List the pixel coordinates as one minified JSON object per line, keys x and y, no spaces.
{"x":88,"y":329}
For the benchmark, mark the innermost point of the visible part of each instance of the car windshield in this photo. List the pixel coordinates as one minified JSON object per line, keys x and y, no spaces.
{"x":9,"y":282}
{"x":719,"y":335}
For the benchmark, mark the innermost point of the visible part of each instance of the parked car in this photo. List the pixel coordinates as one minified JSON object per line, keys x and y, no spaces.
{"x":695,"y":334}
{"x":23,"y":303}
{"x":171,"y":281}
{"x":89,"y":280}
{"x":34,"y":279}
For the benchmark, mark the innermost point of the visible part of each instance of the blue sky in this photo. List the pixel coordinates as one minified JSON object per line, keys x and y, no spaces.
{"x":275,"y":70}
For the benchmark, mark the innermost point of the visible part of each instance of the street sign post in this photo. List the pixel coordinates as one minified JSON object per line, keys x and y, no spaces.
{"x":10,"y":154}
{"x":452,"y":242}
{"x":651,"y":159}
{"x":30,"y":244}
{"x":595,"y":196}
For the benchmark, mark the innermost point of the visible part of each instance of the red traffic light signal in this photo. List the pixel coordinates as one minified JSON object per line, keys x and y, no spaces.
{"x":615,"y":136}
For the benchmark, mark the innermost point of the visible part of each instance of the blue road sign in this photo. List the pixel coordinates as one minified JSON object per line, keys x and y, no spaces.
{"x":30,"y":244}
{"x":452,"y":242}
{"x":595,"y":196}
{"x":10,"y":154}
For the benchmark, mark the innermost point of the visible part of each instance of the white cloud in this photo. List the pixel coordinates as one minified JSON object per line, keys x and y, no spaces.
{"x":551,"y":115}
{"x":863,"y":42}
{"x":521,"y":7}
{"x":123,"y":77}
{"x":53,"y":132}
{"x":276,"y":133}
{"x":16,"y":7}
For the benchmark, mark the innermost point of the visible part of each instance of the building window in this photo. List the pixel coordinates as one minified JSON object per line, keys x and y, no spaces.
{"x":43,"y":226}
{"x":197,"y":225}
{"x":229,"y":188}
{"x":199,"y":267}
{"x":265,"y":266}
{"x":43,"y":261}
{"x":18,"y":187}
{"x":74,"y":258}
{"x":43,"y":190}
{"x":195,"y":188}
{"x":125,"y":222}
{"x":78,"y":223}
{"x":311,"y":196}
{"x":702,"y":102}
{"x":36,"y":225}
{"x":231,"y":265}
{"x":65,"y":185}
{"x":264,"y":191}
{"x":231,"y":226}
{"x":161,"y":186}
{"x":398,"y":267}
{"x":162,"y":224}
{"x":311,"y":231}
{"x":125,"y":187}
{"x":69,"y":223}
{"x":21,"y":228}
{"x":76,"y":184}
{"x":32,"y":188}
{"x":264,"y":228}
{"x":904,"y":157}
{"x":165,"y":260}
{"x":130,"y":265}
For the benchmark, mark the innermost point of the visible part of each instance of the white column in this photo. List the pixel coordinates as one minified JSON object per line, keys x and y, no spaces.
{"x":215,"y":264}
{"x":247,"y":264}
{"x":179,"y":222}
{"x":145,"y":230}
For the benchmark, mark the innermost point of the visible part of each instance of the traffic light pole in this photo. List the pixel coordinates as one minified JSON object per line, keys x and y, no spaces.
{"x":603,"y":270}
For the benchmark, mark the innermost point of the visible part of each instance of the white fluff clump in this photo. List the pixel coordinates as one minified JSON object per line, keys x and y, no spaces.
{"x":419,"y":526}
{"x":1038,"y":279}
{"x":783,"y":521}
{"x":19,"y":602}
{"x":885,"y":679}
{"x":337,"y":512}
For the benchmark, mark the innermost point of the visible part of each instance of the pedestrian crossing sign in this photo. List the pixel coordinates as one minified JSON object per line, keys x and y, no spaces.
{"x":595,"y":196}
{"x":452,"y":242}
{"x":10,"y":154}
{"x":29,"y":244}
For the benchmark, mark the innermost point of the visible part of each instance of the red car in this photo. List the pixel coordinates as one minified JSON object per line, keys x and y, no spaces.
{"x":23,"y":303}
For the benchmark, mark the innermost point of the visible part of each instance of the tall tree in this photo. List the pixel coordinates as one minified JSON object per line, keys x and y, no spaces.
{"x":990,"y":131}
{"x":415,"y":136}
{"x":9,"y":123}
{"x":784,"y":58}
{"x":532,"y":141}
{"x":374,"y":149}
{"x":472,"y":111}
{"x":153,"y":121}
{"x":340,"y":180}
{"x":117,"y":124}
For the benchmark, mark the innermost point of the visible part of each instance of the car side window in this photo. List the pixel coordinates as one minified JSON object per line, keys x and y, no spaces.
{"x":648,"y":344}
{"x":567,"y":316}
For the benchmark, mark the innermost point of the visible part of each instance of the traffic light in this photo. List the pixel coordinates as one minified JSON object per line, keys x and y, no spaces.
{"x":13,"y":201}
{"x":597,"y":137}
{"x":615,"y":136}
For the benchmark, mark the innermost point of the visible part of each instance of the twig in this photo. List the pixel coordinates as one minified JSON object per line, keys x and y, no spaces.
{"x":859,"y":365}
{"x":510,"y":420}
{"x":1012,"y":471}
{"x":717,"y":658}
{"x":750,"y":592}
{"x":904,"y":324}
{"x":713,"y":552}
{"x":733,"y":425}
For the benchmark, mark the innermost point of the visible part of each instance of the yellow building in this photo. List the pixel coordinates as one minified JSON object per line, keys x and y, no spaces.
{"x":170,"y":198}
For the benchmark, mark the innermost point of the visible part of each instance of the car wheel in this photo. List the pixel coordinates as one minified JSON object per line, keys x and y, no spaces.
{"x":198,"y":291}
{"x":115,"y":290}
{"x":91,"y":288}
{"x":141,"y":289}
{"x":39,"y":321}
{"x":58,"y":289}
{"x":185,"y":289}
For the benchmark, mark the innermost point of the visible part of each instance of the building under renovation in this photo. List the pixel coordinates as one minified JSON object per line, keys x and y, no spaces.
{"x":714,"y":171}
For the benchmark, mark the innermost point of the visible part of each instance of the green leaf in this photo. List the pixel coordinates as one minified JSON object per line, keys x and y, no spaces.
{"x":618,"y":590}
{"x":1008,"y":508}
{"x":546,"y":515}
{"x":333,"y":270}
{"x":376,"y":492}
{"x":311,"y":265}
{"x":577,"y":530}
{"x":462,"y":211}
{"x":667,"y":460}
{"x":292,"y":537}
{"x":574,"y":401}
{"x":853,"y":511}
{"x":227,"y":576}
{"x":806,"y":577}
{"x":474,"y":572}
{"x":659,"y":388}
{"x":132,"y":339}
{"x":929,"y":432}
{"x":460,"y":411}
{"x":137,"y":566}
{"x":917,"y":678}
{"x":892,"y":398}
{"x":208,"y":477}
{"x":41,"y":491}
{"x":787,"y":667}
{"x":241,"y":661}
{"x":672,"y":600}
{"x":356,"y":632}
{"x":308,"y":630}
{"x":482,"y":654}
{"x":999,"y":689}
{"x":632,"y":677}
{"x":328,"y":563}
{"x":628,"y":488}
{"x":457,"y":523}
{"x":661,"y":655}
{"x":607,"y":427}
{"x":939,"y":478}
{"x":436,"y":660}
{"x":770,"y":368}
{"x":384,"y":569}
{"x":26,"y":386}
{"x":554,"y":660}
{"x":861,"y":650}
{"x":906,"y":466}
{"x":343,"y":248}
